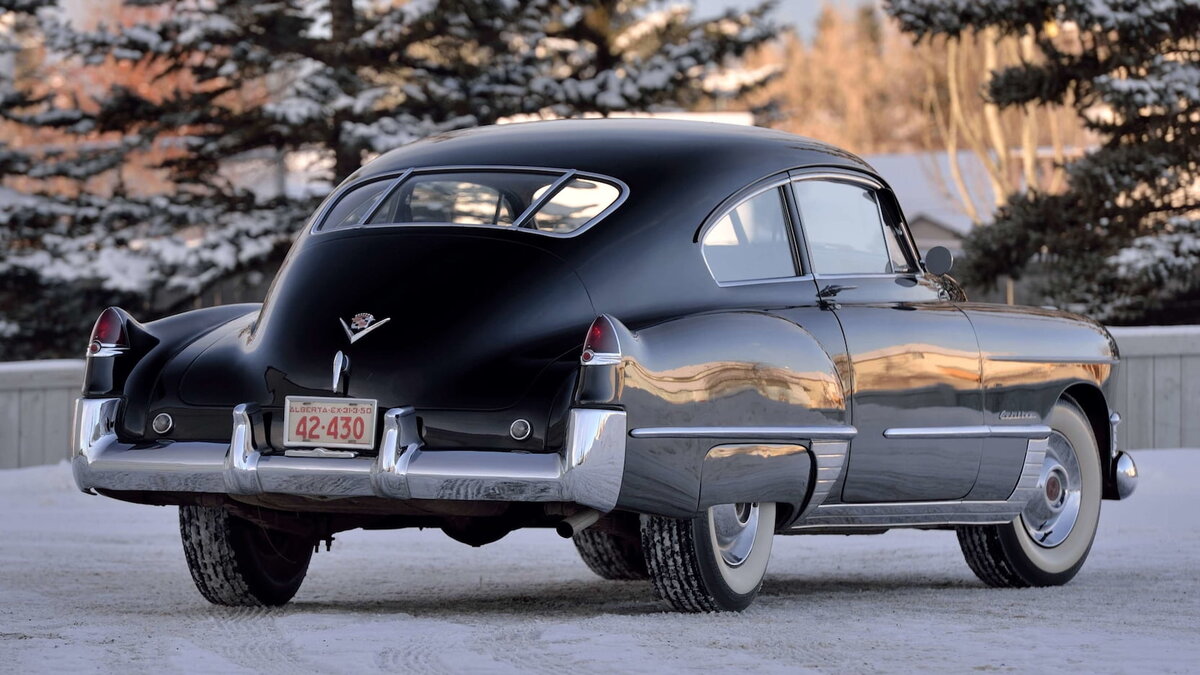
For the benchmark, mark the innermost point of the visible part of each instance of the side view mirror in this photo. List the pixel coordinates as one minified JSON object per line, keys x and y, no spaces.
{"x":939,"y":260}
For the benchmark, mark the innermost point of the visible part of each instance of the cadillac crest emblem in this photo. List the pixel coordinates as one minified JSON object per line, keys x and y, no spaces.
{"x":361,"y":324}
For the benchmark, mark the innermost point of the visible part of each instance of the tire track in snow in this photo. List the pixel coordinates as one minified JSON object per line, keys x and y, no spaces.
{"x":412,"y":657}
{"x":251,"y":637}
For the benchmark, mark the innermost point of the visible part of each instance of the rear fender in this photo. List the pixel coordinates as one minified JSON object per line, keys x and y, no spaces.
{"x":133,"y":375}
{"x":708,"y":372}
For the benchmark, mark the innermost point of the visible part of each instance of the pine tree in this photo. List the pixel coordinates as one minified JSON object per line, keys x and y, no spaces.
{"x":1122,"y":240}
{"x":129,"y":194}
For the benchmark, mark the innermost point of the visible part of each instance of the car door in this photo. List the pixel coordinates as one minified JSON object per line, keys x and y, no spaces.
{"x":914,"y":359}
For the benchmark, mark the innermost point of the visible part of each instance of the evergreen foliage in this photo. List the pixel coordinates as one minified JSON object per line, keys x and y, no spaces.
{"x":237,"y":80}
{"x":1122,"y":241}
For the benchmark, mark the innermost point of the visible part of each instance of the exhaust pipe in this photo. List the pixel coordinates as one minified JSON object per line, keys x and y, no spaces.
{"x":576,"y":523}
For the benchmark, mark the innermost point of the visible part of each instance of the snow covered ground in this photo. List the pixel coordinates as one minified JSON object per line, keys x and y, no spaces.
{"x":92,"y":584}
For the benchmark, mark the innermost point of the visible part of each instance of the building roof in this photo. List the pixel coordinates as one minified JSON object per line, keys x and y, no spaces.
{"x":923,"y":184}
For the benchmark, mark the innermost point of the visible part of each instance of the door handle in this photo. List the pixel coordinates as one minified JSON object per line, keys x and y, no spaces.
{"x":826,"y":297}
{"x":833,"y":289}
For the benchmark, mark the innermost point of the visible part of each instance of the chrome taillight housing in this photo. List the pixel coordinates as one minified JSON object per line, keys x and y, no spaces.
{"x":602,"y":347}
{"x":109,"y":337}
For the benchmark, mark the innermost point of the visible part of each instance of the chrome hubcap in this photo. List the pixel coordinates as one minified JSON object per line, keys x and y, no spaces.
{"x":734,"y":527}
{"x":1050,"y":516}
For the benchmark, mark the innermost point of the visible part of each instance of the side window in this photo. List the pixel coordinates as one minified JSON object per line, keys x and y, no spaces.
{"x":751,"y":241}
{"x":845,"y":231}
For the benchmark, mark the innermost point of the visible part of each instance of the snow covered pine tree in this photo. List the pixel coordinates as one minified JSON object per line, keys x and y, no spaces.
{"x":1124,"y":237}
{"x":333,"y":79}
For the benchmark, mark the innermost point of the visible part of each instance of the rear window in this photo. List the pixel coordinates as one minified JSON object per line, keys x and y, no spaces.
{"x":547,"y":201}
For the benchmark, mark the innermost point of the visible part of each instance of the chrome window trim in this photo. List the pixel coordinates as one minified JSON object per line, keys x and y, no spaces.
{"x":384,"y":197}
{"x":875,"y":185}
{"x":759,"y":282}
{"x":398,"y":176}
{"x":801,"y":247}
{"x":538,"y":203}
{"x":712,"y":221}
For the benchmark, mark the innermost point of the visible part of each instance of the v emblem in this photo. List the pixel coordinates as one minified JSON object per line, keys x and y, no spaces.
{"x":355,"y":337}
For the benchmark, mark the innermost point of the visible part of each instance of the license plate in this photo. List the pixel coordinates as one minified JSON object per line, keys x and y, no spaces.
{"x":329,"y":423}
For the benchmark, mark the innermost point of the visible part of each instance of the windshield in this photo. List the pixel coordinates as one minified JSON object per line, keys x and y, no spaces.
{"x":558,"y":202}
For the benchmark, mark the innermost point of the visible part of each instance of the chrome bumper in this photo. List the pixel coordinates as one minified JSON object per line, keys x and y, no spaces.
{"x":588,"y":471}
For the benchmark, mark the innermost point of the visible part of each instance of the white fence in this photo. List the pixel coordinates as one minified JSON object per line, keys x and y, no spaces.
{"x":1158,"y":389}
{"x":1157,"y":394}
{"x":36,"y":398}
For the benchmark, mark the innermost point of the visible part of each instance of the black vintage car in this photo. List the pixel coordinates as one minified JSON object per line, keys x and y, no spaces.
{"x":670,"y":341}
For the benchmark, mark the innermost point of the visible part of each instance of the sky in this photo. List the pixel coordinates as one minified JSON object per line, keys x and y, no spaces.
{"x":800,"y":13}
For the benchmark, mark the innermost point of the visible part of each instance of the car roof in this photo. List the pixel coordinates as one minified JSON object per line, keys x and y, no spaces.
{"x":638,"y":151}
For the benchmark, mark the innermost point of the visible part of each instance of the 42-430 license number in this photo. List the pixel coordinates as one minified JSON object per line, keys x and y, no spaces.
{"x":329,"y":423}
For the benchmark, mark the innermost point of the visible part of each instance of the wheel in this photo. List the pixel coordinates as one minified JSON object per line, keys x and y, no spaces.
{"x":713,"y":563}
{"x":238,"y":563}
{"x":1047,"y":544}
{"x":612,"y":555}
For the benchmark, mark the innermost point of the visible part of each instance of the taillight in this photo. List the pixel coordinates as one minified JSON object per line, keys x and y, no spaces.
{"x":601,"y":346}
{"x":108,"y":335}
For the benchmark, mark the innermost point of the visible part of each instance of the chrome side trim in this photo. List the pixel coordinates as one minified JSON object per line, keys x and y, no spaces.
{"x":993,"y":431}
{"x":830,"y":459}
{"x":760,"y":433}
{"x":916,"y":514}
{"x":1056,"y":359}
{"x":589,"y":471}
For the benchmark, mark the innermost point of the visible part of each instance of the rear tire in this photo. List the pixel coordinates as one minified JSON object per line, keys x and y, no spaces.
{"x":1049,"y":542}
{"x":238,"y":563}
{"x":713,"y":563}
{"x":611,"y":555}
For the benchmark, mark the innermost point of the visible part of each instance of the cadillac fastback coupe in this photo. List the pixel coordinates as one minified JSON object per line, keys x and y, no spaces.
{"x":670,"y":341}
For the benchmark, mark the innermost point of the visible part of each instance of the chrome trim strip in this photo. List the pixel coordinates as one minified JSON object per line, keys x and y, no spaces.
{"x":1056,"y":359}
{"x":830,"y":459}
{"x":982,"y":431}
{"x":601,"y":359}
{"x":762,"y":433}
{"x":1114,"y":420}
{"x":588,"y":471}
{"x":759,"y":282}
{"x":915,"y":514}
{"x":105,"y":349}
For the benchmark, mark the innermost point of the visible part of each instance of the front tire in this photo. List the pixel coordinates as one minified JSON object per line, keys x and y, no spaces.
{"x":238,"y":563}
{"x":713,"y":563}
{"x":1048,"y":543}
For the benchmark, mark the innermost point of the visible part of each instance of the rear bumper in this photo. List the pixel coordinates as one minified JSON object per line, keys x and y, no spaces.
{"x":588,"y":471}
